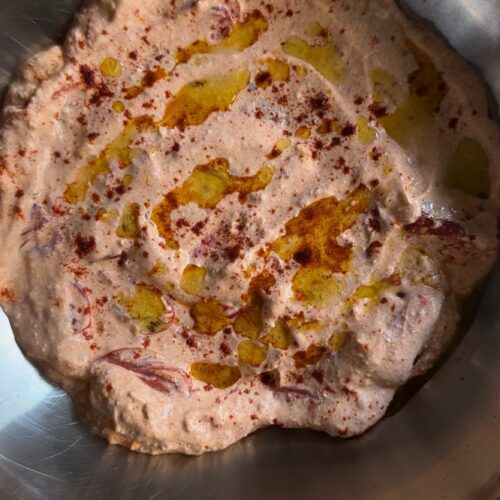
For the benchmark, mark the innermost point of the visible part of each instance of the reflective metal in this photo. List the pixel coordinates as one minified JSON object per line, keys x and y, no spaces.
{"x":445,"y":443}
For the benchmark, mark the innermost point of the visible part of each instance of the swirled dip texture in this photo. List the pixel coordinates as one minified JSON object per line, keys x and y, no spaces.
{"x":217,"y":217}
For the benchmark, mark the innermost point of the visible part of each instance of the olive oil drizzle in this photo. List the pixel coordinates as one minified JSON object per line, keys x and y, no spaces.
{"x":324,"y":57}
{"x":242,"y":36}
{"x":311,"y":241}
{"x":192,"y":105}
{"x":427,"y":89}
{"x":145,"y":306}
{"x":207,"y":185}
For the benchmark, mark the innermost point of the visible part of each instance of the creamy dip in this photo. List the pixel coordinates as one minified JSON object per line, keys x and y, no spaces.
{"x":217,"y":217}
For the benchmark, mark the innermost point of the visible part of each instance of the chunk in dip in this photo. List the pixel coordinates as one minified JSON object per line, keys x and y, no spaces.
{"x":217,"y":217}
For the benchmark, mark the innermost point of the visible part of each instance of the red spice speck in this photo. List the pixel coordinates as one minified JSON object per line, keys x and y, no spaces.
{"x":374,"y":220}
{"x":373,"y":248}
{"x":347,"y":391}
{"x":375,"y":154}
{"x":78,"y":271}
{"x":197,"y":228}
{"x":347,"y":130}
{"x":377,"y":110}
{"x":102,"y":92}
{"x":81,"y":119}
{"x":84,"y":245}
{"x":101,"y":300}
{"x":88,"y":75}
{"x":123,"y":258}
{"x":453,"y":123}
{"x":190,"y":340}
{"x":319,"y":102}
{"x":224,"y":349}
{"x":318,"y":375}
{"x":18,"y":212}
{"x":7,"y":294}
{"x":120,"y":189}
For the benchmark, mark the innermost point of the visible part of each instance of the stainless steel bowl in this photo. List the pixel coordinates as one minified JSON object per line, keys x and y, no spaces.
{"x":445,"y":443}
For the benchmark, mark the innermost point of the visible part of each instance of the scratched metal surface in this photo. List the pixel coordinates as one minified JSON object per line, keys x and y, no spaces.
{"x":443,"y":444}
